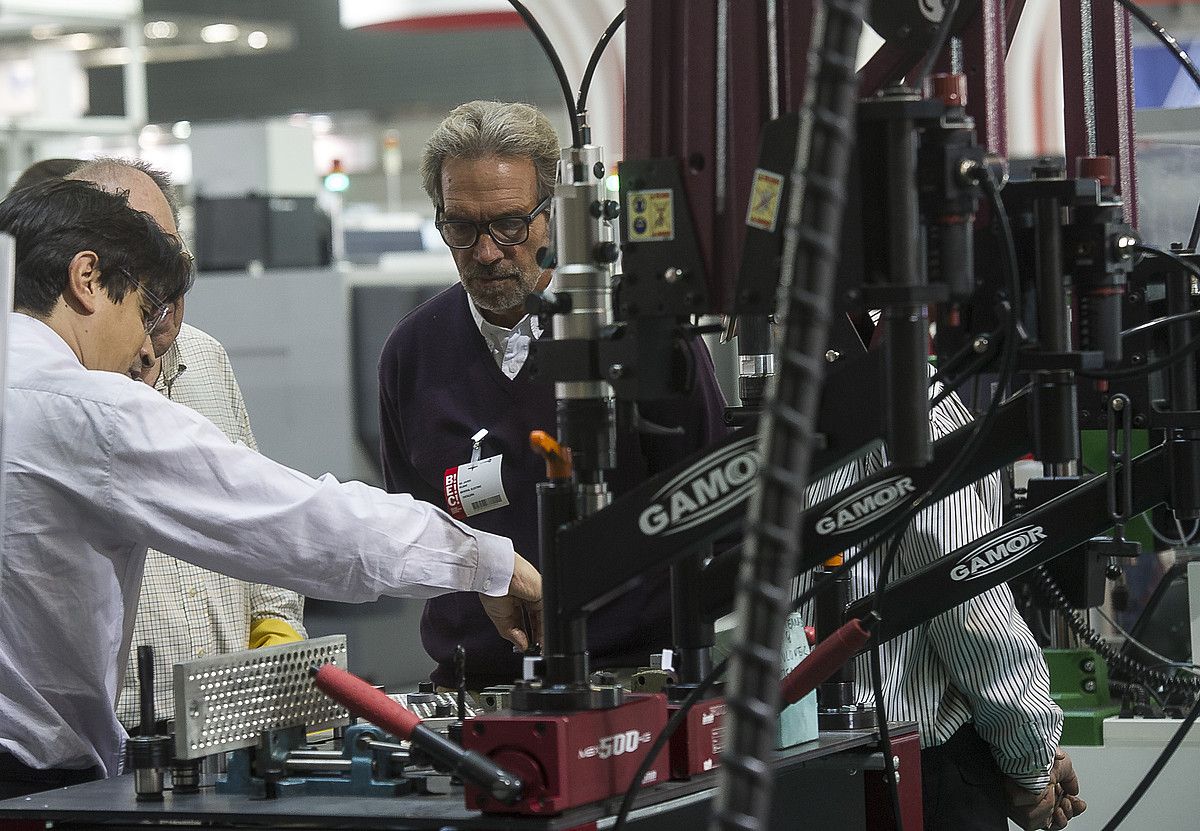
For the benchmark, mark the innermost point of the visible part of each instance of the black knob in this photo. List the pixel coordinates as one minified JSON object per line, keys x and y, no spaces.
{"x":611,"y":209}
{"x":606,"y":252}
{"x":425,"y":687}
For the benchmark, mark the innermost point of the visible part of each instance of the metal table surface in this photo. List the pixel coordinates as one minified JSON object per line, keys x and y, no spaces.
{"x":111,"y":804}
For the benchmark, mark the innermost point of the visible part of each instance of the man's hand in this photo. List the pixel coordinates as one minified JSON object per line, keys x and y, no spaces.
{"x":1069,"y":804}
{"x":518,"y":615}
{"x":1055,"y":806}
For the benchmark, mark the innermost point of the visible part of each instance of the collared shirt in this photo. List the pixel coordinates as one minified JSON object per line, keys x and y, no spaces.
{"x":97,"y":468}
{"x":509,"y":347}
{"x":186,"y":612}
{"x":977,"y":662}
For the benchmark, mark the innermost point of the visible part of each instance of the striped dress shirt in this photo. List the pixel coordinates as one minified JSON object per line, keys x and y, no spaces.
{"x":184,"y":611}
{"x":977,"y":663}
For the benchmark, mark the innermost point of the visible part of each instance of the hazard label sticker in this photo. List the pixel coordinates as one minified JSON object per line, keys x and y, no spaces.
{"x":763,"y":211}
{"x":651,"y":215}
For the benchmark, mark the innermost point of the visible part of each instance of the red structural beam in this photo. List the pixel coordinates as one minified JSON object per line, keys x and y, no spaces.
{"x":1111,"y":68}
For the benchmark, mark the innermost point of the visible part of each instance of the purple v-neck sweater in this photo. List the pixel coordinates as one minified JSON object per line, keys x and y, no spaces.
{"x":438,"y":385}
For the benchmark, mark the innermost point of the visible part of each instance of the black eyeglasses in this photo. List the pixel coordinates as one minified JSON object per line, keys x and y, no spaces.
{"x":505,"y":230}
{"x":158,"y":308}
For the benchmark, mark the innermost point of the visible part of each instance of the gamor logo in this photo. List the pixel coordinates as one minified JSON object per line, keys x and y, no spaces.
{"x":998,"y":553}
{"x":704,"y":490}
{"x":865,"y":504}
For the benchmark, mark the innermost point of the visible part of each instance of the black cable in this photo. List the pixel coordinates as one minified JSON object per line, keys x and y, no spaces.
{"x":970,"y":371}
{"x":1169,"y":255}
{"x":581,"y":104}
{"x":1155,"y":769}
{"x":1170,"y":359}
{"x":1164,"y":37}
{"x":1142,"y":328}
{"x":950,"y":364}
{"x":547,"y":47}
{"x":939,"y":43}
{"x":885,"y":739}
{"x":672,"y":725}
{"x":1188,"y":684}
{"x":1124,"y":688}
{"x":1133,"y":372}
{"x":1169,"y":41}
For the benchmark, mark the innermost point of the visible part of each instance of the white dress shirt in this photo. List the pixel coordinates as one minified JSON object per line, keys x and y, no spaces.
{"x":99,"y":467}
{"x":186,"y":612}
{"x":509,"y":347}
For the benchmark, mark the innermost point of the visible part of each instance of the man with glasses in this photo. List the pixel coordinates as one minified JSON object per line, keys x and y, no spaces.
{"x":453,"y":388}
{"x":184,"y":611}
{"x":98,"y":467}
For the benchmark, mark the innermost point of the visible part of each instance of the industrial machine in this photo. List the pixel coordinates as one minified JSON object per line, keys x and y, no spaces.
{"x":797,"y":198}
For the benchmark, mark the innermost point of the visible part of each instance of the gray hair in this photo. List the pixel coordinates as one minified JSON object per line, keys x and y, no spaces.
{"x":492,"y":128}
{"x":109,"y":172}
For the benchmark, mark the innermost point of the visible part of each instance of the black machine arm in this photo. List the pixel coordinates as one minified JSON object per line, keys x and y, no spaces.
{"x":703,"y":498}
{"x":1020,"y":545}
{"x":851,"y":516}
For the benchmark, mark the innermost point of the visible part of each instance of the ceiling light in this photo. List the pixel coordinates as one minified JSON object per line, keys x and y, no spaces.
{"x":219,"y":33}
{"x":160,"y":29}
{"x":151,"y":135}
{"x":80,"y":41}
{"x":257,"y":40}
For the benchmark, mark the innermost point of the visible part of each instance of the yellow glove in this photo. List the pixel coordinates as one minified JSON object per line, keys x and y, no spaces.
{"x":271,"y":631}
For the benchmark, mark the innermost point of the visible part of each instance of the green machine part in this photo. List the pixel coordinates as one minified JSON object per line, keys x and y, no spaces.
{"x":1079,"y":685}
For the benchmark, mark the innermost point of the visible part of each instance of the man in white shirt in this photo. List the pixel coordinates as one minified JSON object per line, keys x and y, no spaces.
{"x":98,"y":467}
{"x":185,"y":612}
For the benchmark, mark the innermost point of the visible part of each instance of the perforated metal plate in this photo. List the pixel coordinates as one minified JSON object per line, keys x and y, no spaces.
{"x":224,"y":702}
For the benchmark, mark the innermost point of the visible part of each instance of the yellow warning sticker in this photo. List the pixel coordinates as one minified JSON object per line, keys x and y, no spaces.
{"x":651,"y":215}
{"x":763,"y":211}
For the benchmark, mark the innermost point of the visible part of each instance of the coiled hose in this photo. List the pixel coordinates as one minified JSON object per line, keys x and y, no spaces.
{"x":1187,"y":684}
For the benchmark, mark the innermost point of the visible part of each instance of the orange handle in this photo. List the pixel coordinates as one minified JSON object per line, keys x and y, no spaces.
{"x":558,"y":458}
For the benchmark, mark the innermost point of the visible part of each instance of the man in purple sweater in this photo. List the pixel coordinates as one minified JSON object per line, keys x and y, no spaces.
{"x":453,"y":369}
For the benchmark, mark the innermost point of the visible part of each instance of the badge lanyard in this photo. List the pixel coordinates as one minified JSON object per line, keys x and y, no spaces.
{"x":476,"y":487}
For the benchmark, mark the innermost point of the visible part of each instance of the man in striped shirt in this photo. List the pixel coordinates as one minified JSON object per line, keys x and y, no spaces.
{"x":973,"y":678}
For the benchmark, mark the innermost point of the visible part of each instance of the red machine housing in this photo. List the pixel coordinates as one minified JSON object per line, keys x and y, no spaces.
{"x":568,"y":759}
{"x":696,"y":746}
{"x":906,"y":748}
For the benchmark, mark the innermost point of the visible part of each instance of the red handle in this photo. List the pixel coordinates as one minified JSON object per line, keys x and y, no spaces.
{"x":824,"y":660}
{"x":365,"y":701}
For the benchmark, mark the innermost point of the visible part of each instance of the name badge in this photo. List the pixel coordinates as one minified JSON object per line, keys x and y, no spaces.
{"x":475,"y":488}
